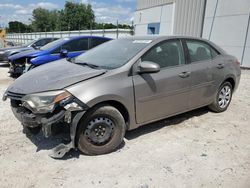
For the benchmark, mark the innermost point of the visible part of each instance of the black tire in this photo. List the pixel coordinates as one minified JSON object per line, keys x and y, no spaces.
{"x":32,"y":130}
{"x":215,"y":106}
{"x":100,"y":131}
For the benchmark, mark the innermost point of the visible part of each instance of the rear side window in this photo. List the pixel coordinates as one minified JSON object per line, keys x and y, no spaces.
{"x":200,"y":51}
{"x":76,"y":45}
{"x":97,"y":41}
{"x":166,"y":54}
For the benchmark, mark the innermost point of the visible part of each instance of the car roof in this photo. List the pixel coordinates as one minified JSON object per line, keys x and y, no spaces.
{"x":157,"y":37}
{"x":85,"y":36}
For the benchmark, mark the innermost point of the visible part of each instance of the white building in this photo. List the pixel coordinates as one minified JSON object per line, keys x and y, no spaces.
{"x":225,"y":22}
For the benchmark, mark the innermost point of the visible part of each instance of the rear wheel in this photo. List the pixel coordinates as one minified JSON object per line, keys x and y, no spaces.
{"x":223,"y":98}
{"x":101,"y":131}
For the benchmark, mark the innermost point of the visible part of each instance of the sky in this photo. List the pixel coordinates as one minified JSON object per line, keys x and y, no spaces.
{"x":105,"y":10}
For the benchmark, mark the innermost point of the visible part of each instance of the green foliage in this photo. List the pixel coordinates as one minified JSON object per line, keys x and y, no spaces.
{"x":74,"y":16}
{"x":18,"y":27}
{"x":110,"y":26}
{"x":44,"y":20}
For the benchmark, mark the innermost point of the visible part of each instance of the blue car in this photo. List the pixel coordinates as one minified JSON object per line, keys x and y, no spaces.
{"x":68,"y":47}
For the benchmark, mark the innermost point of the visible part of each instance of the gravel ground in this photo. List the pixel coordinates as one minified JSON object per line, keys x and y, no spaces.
{"x":195,"y":149}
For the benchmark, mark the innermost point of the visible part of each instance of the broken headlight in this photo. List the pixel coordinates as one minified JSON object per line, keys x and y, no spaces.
{"x":44,"y":102}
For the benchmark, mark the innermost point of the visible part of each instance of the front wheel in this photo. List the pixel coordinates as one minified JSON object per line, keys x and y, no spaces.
{"x":101,"y":131}
{"x":223,"y":98}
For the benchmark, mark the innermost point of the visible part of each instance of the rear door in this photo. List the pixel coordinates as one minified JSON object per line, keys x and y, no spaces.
{"x":161,"y":94}
{"x":202,"y":86}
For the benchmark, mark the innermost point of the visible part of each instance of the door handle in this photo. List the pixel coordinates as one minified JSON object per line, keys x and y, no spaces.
{"x":220,"y":66}
{"x":185,"y":74}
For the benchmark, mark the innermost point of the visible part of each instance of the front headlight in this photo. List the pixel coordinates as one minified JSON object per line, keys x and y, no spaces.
{"x":2,"y":52}
{"x":44,"y":102}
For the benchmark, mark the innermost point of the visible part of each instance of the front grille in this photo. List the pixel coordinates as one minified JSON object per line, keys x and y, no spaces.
{"x":15,"y":96}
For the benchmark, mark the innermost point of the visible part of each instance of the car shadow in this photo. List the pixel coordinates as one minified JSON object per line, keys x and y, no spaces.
{"x":60,"y":136}
{"x":145,"y":129}
{"x":4,"y":64}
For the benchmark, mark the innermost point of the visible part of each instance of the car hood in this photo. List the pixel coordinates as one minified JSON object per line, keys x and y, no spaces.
{"x":29,"y":53}
{"x":53,"y":76}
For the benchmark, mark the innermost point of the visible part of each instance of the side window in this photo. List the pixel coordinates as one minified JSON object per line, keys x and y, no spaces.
{"x":41,"y":42}
{"x":200,"y":51}
{"x":214,"y":52}
{"x":166,"y":54}
{"x":49,"y":40}
{"x":77,"y":45}
{"x":97,"y":41}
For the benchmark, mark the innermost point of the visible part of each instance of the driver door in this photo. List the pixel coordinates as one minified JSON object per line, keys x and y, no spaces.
{"x":164,"y":93}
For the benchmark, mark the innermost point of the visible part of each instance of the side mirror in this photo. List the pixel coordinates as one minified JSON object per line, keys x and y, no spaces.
{"x":64,"y":53}
{"x":148,"y":67}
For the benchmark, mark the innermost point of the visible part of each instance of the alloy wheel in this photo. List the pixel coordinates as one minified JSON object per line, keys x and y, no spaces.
{"x":224,"y":96}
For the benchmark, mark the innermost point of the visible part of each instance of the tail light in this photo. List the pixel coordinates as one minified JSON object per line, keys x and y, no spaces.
{"x":237,"y":62}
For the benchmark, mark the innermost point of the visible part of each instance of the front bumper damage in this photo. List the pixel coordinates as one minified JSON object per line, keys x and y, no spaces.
{"x":16,"y":68}
{"x":20,"y":66}
{"x":69,"y":111}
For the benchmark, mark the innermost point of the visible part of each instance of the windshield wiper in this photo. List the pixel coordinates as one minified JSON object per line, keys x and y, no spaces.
{"x":87,"y":64}
{"x":73,"y":60}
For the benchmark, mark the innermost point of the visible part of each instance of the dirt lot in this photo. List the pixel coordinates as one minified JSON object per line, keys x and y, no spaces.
{"x":196,"y":149}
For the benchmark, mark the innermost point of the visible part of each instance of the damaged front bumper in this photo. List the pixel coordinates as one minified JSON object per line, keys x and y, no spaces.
{"x":16,"y":68}
{"x":68,"y":111}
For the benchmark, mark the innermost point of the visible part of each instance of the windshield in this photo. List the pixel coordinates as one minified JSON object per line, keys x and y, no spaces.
{"x":113,"y":54}
{"x":53,"y":44}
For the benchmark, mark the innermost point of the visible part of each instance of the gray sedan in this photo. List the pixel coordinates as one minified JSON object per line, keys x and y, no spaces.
{"x":121,"y":85}
{"x":34,"y":44}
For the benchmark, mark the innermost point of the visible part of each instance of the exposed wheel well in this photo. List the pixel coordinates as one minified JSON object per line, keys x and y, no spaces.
{"x":231,"y":81}
{"x":119,"y":106}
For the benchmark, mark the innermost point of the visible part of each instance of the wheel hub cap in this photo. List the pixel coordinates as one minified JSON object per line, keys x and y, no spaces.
{"x":99,"y":130}
{"x":224,"y":97}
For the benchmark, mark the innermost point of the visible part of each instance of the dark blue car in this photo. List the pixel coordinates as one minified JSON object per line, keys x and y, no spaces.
{"x":66,"y":47}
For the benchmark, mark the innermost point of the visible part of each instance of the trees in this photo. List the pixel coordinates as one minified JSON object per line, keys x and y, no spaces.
{"x":74,"y":16}
{"x":44,"y":20}
{"x":77,"y":16}
{"x":18,"y":27}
